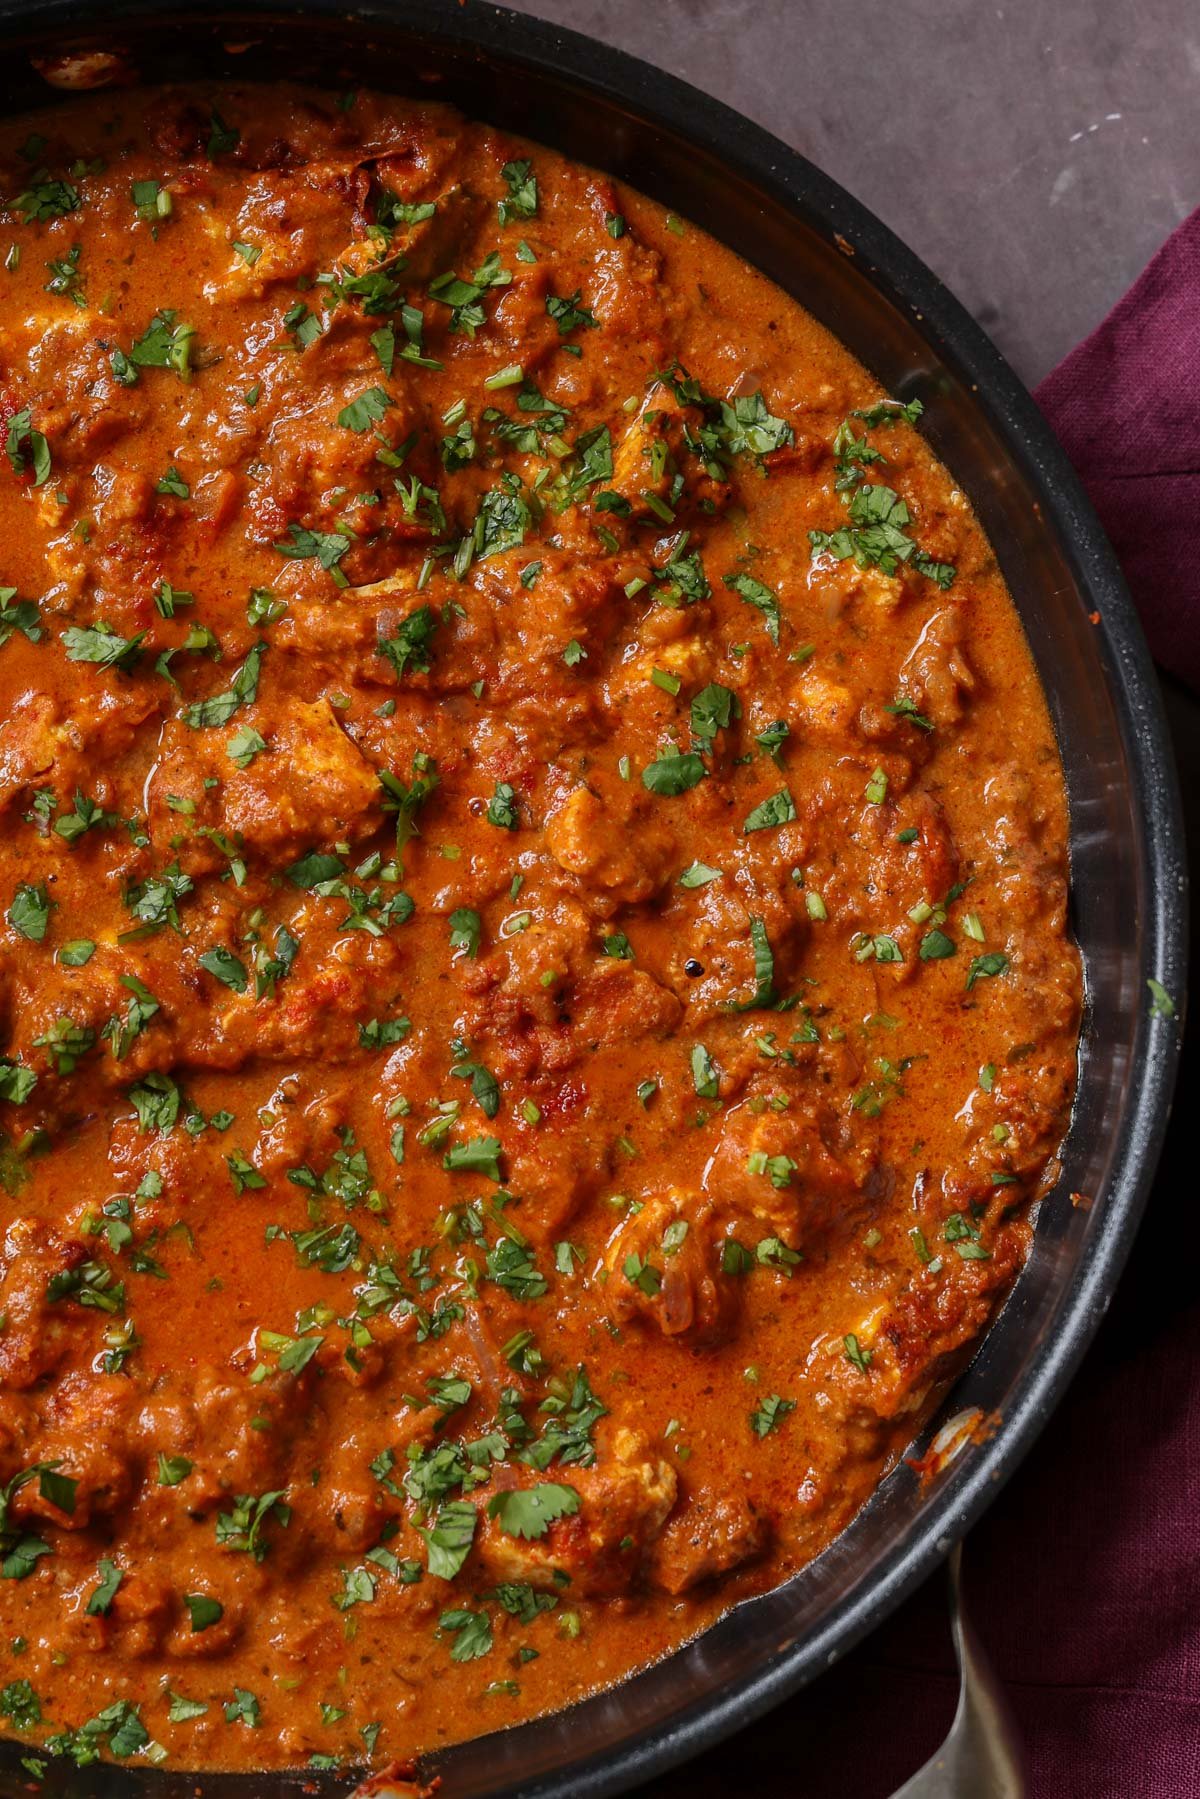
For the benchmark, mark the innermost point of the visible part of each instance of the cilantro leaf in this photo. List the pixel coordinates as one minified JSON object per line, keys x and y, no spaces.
{"x":480,"y":1155}
{"x":764,"y":970}
{"x":521,"y":201}
{"x":100,"y":644}
{"x":749,"y":428}
{"x":18,"y":615}
{"x":484,"y":1085}
{"x":699,"y":874}
{"x":225,"y":967}
{"x":102,"y":1596}
{"x":464,"y":297}
{"x":778,"y":809}
{"x":448,"y":1541}
{"x":242,"y":1528}
{"x":903,"y":707}
{"x":770,"y":1412}
{"x":466,"y":930}
{"x":244,"y":1708}
{"x":29,"y":914}
{"x":165,"y":344}
{"x":28,"y":448}
{"x":472,"y":1634}
{"x":381,"y":1033}
{"x":314,"y":870}
{"x":325,"y":547}
{"x":245,"y":744}
{"x":172,"y":1469}
{"x":528,"y":1512}
{"x":569,"y":315}
{"x":714,"y":709}
{"x":511,"y":1265}
{"x":706,"y":1076}
{"x":985,"y":967}
{"x":46,"y":198}
{"x":20,"y":1703}
{"x":366,"y":411}
{"x":755,"y":593}
{"x":410,"y":647}
{"x":1161,"y":1003}
{"x":500,"y":524}
{"x":220,"y":707}
{"x":203,"y":1610}
{"x":16,"y":1082}
{"x":674,"y":772}
{"x":156,"y":1100}
{"x":502,"y":808}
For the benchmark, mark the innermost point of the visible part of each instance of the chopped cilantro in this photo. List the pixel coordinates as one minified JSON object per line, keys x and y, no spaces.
{"x":502,"y":808}
{"x":770,"y":1412}
{"x":778,"y":809}
{"x":673,"y":773}
{"x":529,"y":1512}
{"x":569,"y":315}
{"x":521,"y":201}
{"x":985,"y":967}
{"x":756,"y":594}
{"x":100,"y":644}
{"x":472,"y":1633}
{"x":242,"y":691}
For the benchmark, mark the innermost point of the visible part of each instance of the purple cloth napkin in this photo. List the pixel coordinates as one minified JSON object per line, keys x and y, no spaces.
{"x":1126,"y":407}
{"x":1084,"y":1578}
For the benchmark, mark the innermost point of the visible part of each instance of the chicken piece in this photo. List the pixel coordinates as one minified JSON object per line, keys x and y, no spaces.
{"x":350,"y":1507}
{"x":521,"y":634}
{"x":214,"y":1428}
{"x":789,"y":1173}
{"x":43,"y":745}
{"x":85,"y":1425}
{"x":310,"y":786}
{"x":613,"y":1003}
{"x":279,"y":214}
{"x":708,"y":1536}
{"x":214,"y":1640}
{"x":911,"y":1341}
{"x":37,"y":1334}
{"x":561,"y":1161}
{"x":29,"y":744}
{"x":679,"y":646}
{"x":719,"y":937}
{"x":432,"y":245}
{"x":326,"y":995}
{"x":1013,"y":823}
{"x":664,"y":1266}
{"x":653,"y":450}
{"x":829,"y":708}
{"x":936,"y":674}
{"x":137,"y":1619}
{"x":617,"y":842}
{"x":624,"y":1502}
{"x":544,"y":1001}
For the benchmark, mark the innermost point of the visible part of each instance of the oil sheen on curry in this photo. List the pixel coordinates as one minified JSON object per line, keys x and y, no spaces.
{"x":536,"y":995}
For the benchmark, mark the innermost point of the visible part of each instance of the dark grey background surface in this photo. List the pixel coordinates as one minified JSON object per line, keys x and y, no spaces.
{"x":1034,"y":153}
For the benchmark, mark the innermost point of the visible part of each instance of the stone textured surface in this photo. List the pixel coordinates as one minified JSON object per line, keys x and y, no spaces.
{"x":1034,"y":153}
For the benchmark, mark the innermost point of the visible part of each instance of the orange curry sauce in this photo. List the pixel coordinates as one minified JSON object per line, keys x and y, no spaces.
{"x":536,"y":995}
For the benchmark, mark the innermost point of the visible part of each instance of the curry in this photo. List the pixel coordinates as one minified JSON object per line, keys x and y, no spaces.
{"x":537,"y":999}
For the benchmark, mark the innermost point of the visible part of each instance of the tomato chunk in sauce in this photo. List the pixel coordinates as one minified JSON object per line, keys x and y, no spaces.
{"x":536,"y":989}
